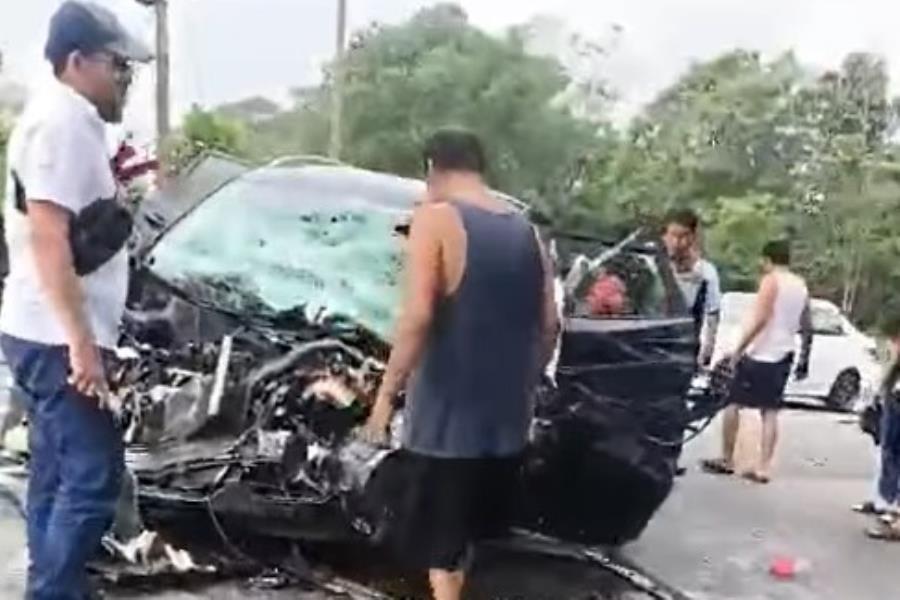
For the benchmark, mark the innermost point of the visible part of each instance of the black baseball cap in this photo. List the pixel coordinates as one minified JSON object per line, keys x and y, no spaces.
{"x":89,"y":28}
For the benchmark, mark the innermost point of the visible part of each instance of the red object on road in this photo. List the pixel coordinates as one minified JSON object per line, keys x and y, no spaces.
{"x":784,"y":568}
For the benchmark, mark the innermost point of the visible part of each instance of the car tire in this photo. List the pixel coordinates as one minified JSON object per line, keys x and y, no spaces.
{"x":845,"y":389}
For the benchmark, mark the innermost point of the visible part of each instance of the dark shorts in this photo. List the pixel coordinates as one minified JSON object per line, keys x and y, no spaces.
{"x":445,"y":506}
{"x":759,"y":384}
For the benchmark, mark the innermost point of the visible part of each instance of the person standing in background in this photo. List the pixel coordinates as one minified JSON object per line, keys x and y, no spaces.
{"x":763,"y":358}
{"x":478,"y":326}
{"x":697,"y":278}
{"x":888,"y":528}
{"x":65,"y":293}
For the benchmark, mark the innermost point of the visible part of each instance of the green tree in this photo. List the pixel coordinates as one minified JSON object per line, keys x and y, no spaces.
{"x":741,"y":227}
{"x":849,"y":186}
{"x":403,"y":82}
{"x":721,"y":131}
{"x":203,"y":131}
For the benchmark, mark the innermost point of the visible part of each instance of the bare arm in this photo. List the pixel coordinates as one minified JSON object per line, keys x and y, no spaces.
{"x":710,"y":332}
{"x":762,"y":313}
{"x":550,"y":324}
{"x":56,"y":273}
{"x":712,"y":312}
{"x":423,"y":278}
{"x":55,"y":268}
{"x":806,"y":340}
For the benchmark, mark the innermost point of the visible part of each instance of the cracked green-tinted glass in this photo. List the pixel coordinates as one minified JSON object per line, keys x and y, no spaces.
{"x":323,"y":237}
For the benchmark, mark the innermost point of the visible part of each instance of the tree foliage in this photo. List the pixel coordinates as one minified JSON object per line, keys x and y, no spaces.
{"x":763,"y":150}
{"x":203,"y":131}
{"x":403,"y":82}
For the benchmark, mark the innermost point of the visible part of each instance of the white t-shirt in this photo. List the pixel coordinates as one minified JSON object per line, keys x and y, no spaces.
{"x":779,"y":337}
{"x":690,"y":282}
{"x":58,"y":150}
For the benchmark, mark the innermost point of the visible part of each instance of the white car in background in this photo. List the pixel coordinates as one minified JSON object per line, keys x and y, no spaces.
{"x":843,"y":368}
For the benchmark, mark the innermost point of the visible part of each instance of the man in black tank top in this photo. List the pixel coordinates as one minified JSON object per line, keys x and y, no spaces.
{"x":478,"y":325}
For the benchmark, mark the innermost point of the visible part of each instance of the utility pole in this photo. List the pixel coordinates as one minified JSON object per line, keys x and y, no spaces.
{"x":163,"y":69}
{"x":337,"y":90}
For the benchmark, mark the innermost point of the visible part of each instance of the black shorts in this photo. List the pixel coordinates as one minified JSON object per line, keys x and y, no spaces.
{"x":758,"y":384}
{"x":445,"y":506}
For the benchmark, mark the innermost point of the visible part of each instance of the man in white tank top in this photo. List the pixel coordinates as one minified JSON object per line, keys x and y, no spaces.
{"x":764,"y":356}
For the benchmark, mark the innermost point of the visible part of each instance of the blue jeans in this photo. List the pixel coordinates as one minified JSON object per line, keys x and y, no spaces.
{"x":889,"y":480}
{"x":75,"y":471}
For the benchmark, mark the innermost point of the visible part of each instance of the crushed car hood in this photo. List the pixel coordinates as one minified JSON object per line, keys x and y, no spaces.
{"x":257,"y":328}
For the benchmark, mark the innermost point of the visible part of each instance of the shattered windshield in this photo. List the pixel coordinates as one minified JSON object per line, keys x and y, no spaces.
{"x":321,"y":238}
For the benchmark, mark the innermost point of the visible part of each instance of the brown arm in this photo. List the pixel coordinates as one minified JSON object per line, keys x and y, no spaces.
{"x":55,"y":269}
{"x":423,"y":279}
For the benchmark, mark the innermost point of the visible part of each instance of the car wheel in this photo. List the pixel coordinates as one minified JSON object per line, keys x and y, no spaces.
{"x":844,"y":390}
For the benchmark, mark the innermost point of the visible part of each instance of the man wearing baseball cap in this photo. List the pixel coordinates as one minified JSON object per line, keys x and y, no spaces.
{"x":65,"y":293}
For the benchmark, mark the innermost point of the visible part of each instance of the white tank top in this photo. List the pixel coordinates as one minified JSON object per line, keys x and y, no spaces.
{"x":779,"y":337}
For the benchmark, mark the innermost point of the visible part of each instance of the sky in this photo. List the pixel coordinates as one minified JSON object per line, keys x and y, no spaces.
{"x":225,"y":50}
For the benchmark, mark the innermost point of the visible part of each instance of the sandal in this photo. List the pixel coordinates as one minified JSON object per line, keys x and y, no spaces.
{"x":716,"y":466}
{"x":884,"y":533}
{"x":888,"y":517}
{"x":868,"y":508}
{"x":756,"y":477}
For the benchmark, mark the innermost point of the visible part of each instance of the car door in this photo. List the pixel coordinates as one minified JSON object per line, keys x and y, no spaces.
{"x":613,"y":428}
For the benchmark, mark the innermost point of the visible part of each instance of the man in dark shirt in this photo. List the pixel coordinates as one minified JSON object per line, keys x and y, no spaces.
{"x":478,"y":324}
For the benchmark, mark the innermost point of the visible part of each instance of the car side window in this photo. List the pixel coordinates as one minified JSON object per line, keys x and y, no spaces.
{"x":628,"y":285}
{"x":827,"y":321}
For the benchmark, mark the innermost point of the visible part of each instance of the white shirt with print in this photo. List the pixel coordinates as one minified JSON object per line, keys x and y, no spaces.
{"x":690,"y":281}
{"x":58,"y":150}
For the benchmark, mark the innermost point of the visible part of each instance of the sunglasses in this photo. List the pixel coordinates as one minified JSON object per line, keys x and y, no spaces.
{"x":121,"y":66}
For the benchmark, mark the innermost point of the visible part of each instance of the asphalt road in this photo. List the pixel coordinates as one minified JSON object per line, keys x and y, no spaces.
{"x":714,"y":539}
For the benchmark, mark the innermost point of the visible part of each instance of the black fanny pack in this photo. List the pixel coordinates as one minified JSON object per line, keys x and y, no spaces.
{"x":96,"y":234}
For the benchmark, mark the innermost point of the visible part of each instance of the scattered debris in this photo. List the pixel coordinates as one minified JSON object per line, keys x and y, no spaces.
{"x":239,"y":418}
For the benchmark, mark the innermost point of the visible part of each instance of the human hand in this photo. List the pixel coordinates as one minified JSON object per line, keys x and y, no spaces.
{"x":732,"y":360}
{"x":375,"y":431}
{"x":87,"y":374}
{"x":704,"y":359}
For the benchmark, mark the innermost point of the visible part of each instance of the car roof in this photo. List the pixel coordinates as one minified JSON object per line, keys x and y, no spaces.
{"x":212,"y":172}
{"x":361,"y":188}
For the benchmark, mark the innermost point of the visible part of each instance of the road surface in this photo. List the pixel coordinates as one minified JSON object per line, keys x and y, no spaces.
{"x":713,"y":540}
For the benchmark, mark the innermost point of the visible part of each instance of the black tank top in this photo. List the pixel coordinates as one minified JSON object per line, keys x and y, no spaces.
{"x":471,"y":395}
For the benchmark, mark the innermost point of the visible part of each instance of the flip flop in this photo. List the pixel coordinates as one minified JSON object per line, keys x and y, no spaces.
{"x":756,"y":477}
{"x":868,"y":508}
{"x":884,"y":533}
{"x":716,"y":466}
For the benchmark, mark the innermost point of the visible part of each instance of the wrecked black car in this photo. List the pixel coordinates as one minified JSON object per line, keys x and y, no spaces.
{"x":258,"y":326}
